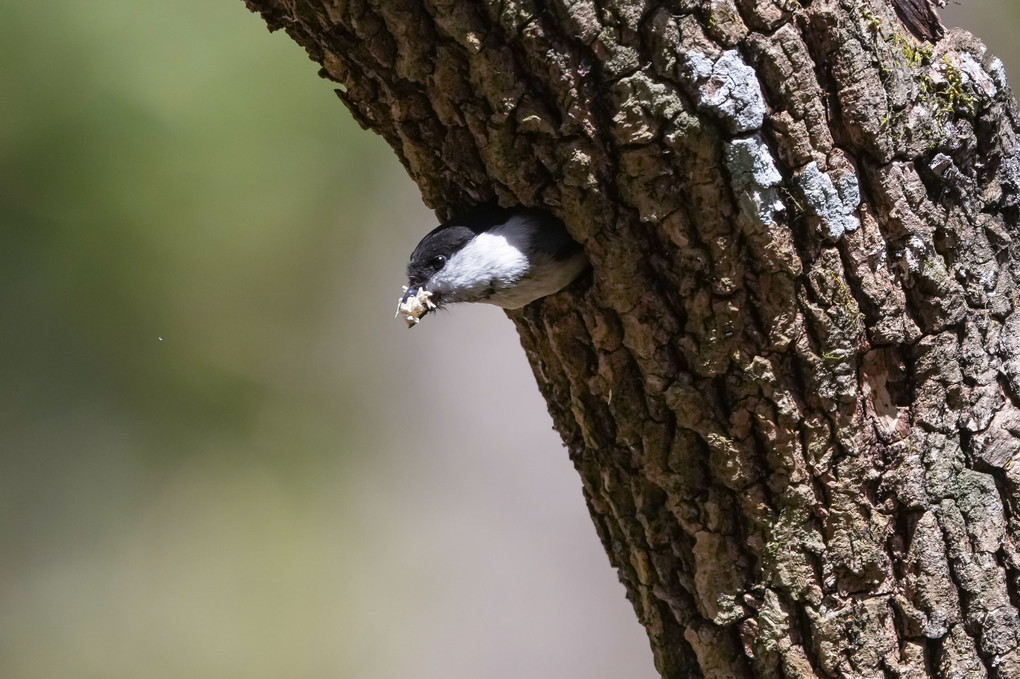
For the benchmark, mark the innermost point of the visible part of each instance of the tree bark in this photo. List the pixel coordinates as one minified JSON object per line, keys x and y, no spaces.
{"x":791,"y":382}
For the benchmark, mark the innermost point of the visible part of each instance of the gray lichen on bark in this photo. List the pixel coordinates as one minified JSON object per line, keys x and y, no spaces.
{"x":791,"y":383}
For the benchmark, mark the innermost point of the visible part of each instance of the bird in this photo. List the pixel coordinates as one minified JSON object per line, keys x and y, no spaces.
{"x":490,"y":254}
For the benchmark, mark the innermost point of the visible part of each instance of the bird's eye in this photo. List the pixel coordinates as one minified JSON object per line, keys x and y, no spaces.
{"x":437,"y":262}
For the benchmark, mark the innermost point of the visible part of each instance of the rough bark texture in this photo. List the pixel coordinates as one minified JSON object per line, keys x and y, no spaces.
{"x":791,"y":382}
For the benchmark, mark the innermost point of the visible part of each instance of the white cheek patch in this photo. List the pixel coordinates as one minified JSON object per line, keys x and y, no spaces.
{"x":490,"y":261}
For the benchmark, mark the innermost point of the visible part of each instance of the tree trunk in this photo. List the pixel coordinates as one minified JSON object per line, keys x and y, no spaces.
{"x":791,"y":382}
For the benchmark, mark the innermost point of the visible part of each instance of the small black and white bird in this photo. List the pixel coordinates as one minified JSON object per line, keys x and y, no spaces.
{"x":506,"y":257}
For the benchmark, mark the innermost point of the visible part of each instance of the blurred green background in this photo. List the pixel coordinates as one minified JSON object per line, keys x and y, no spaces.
{"x":217,"y":454}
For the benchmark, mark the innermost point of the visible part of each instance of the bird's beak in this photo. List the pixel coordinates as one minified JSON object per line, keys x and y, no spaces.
{"x":414,"y":305}
{"x":408,"y":294}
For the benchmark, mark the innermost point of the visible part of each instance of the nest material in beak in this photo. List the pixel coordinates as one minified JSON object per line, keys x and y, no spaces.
{"x":415,"y":303}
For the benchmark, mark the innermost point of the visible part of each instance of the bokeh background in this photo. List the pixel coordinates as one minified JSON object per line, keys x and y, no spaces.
{"x":220,"y":455}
